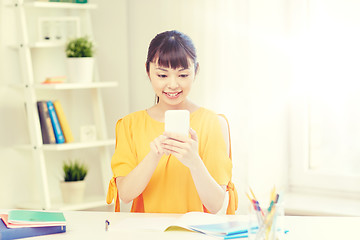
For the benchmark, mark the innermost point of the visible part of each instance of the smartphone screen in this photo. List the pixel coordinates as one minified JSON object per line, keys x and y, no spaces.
{"x":177,"y":121}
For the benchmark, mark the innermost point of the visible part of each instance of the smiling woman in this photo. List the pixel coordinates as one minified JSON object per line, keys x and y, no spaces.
{"x":182,"y":172}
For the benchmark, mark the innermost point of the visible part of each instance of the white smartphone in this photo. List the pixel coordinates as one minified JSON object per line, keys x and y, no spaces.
{"x":177,"y":121}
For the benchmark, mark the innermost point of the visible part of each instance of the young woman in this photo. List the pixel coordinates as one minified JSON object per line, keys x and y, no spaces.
{"x":165,"y":172}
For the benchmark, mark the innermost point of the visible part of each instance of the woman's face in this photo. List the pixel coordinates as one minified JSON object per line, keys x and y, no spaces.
{"x":172,"y":86}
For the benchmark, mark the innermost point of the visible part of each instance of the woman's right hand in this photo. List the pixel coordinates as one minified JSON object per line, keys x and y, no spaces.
{"x":156,"y":146}
{"x":134,"y":183}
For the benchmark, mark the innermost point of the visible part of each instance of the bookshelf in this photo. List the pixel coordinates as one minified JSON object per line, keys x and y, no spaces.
{"x":39,"y":58}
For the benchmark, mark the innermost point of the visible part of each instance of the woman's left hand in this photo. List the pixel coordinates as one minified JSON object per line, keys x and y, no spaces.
{"x":185,"y":149}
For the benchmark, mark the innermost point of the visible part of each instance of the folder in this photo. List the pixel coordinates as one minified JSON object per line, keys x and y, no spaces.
{"x":15,"y":233}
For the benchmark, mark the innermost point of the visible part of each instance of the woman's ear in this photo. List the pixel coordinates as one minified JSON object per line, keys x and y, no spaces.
{"x":147,"y":72}
{"x":197,"y":67}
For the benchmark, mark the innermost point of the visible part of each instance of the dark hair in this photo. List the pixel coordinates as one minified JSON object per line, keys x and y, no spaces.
{"x":171,"y":49}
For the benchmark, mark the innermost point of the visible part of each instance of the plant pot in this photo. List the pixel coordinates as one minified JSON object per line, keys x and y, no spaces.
{"x":80,"y":69}
{"x":73,"y":192}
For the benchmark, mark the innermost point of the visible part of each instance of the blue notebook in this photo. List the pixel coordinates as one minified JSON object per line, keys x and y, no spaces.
{"x":55,"y":122}
{"x":15,"y":233}
{"x":227,"y":230}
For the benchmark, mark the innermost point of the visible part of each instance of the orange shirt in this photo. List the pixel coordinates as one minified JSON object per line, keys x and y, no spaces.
{"x":171,"y":188}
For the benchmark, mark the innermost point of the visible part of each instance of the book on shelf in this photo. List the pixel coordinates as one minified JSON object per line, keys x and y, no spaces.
{"x":54,"y":80}
{"x":63,"y":122}
{"x":47,"y":131}
{"x":69,"y":1}
{"x":30,"y":224}
{"x":55,"y":123}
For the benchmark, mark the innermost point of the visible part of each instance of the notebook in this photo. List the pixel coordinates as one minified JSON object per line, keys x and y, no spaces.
{"x":4,"y":218}
{"x":15,"y":233}
{"x":205,"y":223}
{"x":35,"y":217}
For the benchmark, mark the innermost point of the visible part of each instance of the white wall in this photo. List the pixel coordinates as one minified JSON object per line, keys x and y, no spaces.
{"x":250,"y":89}
{"x":110,"y":30}
{"x":269,"y":79}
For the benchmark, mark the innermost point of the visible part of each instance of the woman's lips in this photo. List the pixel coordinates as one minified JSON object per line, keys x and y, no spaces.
{"x":172,"y":95}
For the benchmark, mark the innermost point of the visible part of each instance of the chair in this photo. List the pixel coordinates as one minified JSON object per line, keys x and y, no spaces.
{"x":231,"y":190}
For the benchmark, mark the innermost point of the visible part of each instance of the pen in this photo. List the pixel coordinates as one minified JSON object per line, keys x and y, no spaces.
{"x":252,"y":193}
{"x":258,"y":212}
{"x":272,"y":195}
{"x":248,"y":197}
{"x":107,"y":223}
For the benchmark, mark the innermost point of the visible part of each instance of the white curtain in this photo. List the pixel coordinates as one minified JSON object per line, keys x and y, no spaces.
{"x":243,"y":73}
{"x":330,"y":59}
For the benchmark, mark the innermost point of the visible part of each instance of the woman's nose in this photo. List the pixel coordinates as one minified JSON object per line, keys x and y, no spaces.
{"x":173,"y":84}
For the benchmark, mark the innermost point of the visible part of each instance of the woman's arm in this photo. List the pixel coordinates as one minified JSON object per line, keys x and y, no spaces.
{"x":186,"y":150}
{"x":132,"y":185}
{"x":212,"y":195}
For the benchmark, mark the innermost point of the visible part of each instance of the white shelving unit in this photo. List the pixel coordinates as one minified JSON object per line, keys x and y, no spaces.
{"x":29,"y":46}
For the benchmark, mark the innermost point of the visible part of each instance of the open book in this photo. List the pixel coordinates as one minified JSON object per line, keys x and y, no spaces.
{"x":209,"y":224}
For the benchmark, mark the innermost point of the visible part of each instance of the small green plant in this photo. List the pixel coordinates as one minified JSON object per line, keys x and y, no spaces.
{"x":79,"y":47}
{"x":74,"y":171}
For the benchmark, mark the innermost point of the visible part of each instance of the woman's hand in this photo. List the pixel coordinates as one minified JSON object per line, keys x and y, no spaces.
{"x":185,"y":149}
{"x":157,"y":147}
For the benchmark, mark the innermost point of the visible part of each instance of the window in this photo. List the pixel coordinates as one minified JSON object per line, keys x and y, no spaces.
{"x":325,"y":112}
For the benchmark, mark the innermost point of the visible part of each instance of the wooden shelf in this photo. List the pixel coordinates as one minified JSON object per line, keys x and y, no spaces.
{"x":41,"y":44}
{"x":89,"y":202}
{"x":63,"y":86}
{"x":71,"y":146}
{"x":58,"y":5}
{"x":78,"y":145}
{"x":48,"y":44}
{"x":68,"y":86}
{"x":34,"y":53}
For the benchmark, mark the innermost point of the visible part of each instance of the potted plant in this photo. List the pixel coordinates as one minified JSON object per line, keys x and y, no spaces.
{"x":73,"y":186}
{"x":80,"y":60}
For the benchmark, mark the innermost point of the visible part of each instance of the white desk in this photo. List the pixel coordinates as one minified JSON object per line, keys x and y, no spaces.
{"x":91,"y":225}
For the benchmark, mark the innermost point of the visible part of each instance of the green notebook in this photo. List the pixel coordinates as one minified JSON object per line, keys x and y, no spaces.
{"x":28,"y":216}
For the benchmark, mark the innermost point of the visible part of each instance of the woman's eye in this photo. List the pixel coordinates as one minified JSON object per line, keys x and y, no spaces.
{"x":184,"y":75}
{"x":161,"y":75}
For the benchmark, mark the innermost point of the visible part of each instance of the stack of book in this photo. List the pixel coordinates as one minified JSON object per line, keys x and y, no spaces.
{"x":25,"y":223}
{"x":54,"y":125}
{"x":69,"y":1}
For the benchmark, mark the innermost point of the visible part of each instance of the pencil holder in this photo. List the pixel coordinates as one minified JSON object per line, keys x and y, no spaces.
{"x":266,"y":222}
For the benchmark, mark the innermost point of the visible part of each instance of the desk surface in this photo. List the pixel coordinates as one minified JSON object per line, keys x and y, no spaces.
{"x":91,"y":225}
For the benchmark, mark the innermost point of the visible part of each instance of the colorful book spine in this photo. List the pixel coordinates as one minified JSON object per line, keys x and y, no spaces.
{"x":55,"y":122}
{"x":47,"y":130}
{"x":63,"y":122}
{"x":15,"y":233}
